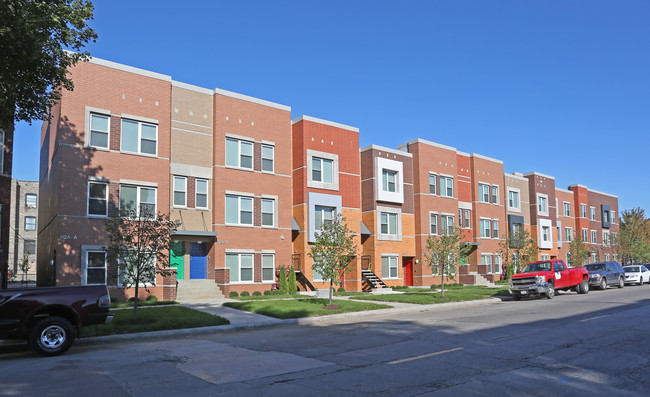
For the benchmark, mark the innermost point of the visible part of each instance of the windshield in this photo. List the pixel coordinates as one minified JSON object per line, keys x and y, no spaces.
{"x":632,"y":269}
{"x":596,"y":267}
{"x":537,"y":267}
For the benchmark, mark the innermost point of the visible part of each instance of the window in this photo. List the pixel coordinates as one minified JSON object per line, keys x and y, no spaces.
{"x":568,"y":234}
{"x":605,"y":238}
{"x":239,"y":153}
{"x":201,"y":200}
{"x":180,"y":191}
{"x":239,"y":210}
{"x":613,"y":215}
{"x":486,"y":260}
{"x":267,"y":158}
{"x":466,"y":218}
{"x":147,"y":276}
{"x":268,"y":267}
{"x":495,"y":229}
{"x":97,"y":198}
{"x":446,"y":224}
{"x":592,"y":213}
{"x":432,"y":183}
{"x":138,"y":200}
{"x":545,"y":257}
{"x":30,"y":223}
{"x":268,"y":212}
{"x":495,"y":195}
{"x":486,"y":227}
{"x":321,"y":170}
{"x":542,"y":204}
{"x":433,"y":224}
{"x":389,"y":267}
{"x":99,"y":130}
{"x":388,"y":180}
{"x":546,"y":234}
{"x":241,"y":267}
{"x":594,"y":257}
{"x":29,"y":247}
{"x":606,"y":257}
{"x":513,"y":200}
{"x":323,"y":215}
{"x":388,"y":224}
{"x":30,"y":200}
{"x":483,"y":193}
{"x":446,"y":186}
{"x":594,"y":237}
{"x":585,"y":235}
{"x":567,"y":209}
{"x":96,"y":267}
{"x":583,"y":211}
{"x":605,"y":216}
{"x":614,"y":235}
{"x":139,"y":137}
{"x":497,"y":264}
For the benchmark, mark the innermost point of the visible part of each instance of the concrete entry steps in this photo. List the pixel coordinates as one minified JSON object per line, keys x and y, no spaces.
{"x":480,"y":280}
{"x":197,"y":291}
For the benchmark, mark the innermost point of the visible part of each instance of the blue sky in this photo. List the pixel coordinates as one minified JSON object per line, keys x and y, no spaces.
{"x":557,"y":87}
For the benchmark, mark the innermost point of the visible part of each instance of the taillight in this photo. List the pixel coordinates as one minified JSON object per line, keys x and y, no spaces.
{"x":104,"y":301}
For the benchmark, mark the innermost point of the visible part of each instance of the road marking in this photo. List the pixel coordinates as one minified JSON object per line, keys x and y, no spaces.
{"x":424,"y":356}
{"x":593,"y":318}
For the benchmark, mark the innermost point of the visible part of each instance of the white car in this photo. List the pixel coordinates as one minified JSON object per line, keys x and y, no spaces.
{"x":636,"y":274}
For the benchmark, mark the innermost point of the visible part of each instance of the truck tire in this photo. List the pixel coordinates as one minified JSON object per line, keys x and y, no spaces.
{"x":603,"y":283}
{"x":550,"y":292}
{"x":583,"y":287}
{"x":621,"y":282}
{"x":51,"y":336}
{"x":516,"y":296}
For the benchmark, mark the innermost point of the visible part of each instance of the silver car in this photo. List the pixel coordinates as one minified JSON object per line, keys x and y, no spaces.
{"x":636,"y":274}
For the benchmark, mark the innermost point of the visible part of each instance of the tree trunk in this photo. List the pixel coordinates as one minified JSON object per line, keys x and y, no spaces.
{"x":135,"y":304}
{"x":442,"y":274}
{"x":331,"y":284}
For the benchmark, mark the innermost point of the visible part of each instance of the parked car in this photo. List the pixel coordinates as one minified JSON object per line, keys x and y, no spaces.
{"x":636,"y":274}
{"x":545,"y":277}
{"x":603,"y":274}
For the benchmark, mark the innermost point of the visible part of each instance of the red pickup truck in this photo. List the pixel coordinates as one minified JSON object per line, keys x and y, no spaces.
{"x":546,"y":277}
{"x":49,"y":317}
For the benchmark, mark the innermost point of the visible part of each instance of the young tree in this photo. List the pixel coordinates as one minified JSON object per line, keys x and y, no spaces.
{"x":292,"y":286}
{"x":34,"y":63}
{"x":332,"y":251}
{"x":282,"y":280}
{"x":139,"y":243}
{"x":578,"y":252}
{"x":444,"y":253}
{"x":633,"y":242}
{"x":518,"y":248}
{"x":24,"y":266}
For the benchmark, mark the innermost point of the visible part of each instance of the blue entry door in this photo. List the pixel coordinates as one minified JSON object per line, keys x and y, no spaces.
{"x":198,"y":260}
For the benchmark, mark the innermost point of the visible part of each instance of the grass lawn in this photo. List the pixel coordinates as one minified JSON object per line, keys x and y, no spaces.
{"x":466,"y":293}
{"x":142,"y":303}
{"x":154,"y":319}
{"x":296,"y":308}
{"x":267,"y":297}
{"x":350,"y":293}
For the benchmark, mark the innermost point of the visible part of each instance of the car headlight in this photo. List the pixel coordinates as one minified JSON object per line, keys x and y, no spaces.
{"x":595,"y":275}
{"x":540,"y":279}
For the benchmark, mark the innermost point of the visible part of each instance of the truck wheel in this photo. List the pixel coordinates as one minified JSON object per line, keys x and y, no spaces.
{"x":550,"y":292}
{"x":603,"y":283}
{"x":51,"y":336}
{"x":583,"y":287}
{"x":621,"y":282}
{"x":516,"y":296}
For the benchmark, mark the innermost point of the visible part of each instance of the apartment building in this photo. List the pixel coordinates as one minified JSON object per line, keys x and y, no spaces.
{"x":566,"y":225}
{"x":543,"y":215}
{"x":23,"y":225}
{"x":389,"y":215}
{"x":6,"y":145}
{"x":326,"y":182}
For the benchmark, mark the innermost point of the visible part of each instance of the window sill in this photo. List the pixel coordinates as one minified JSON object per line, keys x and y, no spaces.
{"x":101,"y":149}
{"x":153,"y":156}
{"x":97,"y":216}
{"x":232,"y":167}
{"x":238,"y":225}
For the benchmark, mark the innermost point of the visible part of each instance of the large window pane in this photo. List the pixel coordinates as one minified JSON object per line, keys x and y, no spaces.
{"x":232,"y":152}
{"x":246,"y":155}
{"x":267,"y":212}
{"x":97,"y":199}
{"x":267,"y":158}
{"x":316,"y":172}
{"x":129,"y":135}
{"x":128,"y":198}
{"x":232,"y":263}
{"x":179,"y":191}
{"x":232,"y":209}
{"x":327,"y":171}
{"x":268,"y":268}
{"x":99,"y":131}
{"x":392,"y":224}
{"x":201,"y":193}
{"x":246,"y":267}
{"x":246,"y":211}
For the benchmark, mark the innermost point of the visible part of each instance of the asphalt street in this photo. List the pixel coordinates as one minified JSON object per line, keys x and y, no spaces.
{"x":594,"y":344}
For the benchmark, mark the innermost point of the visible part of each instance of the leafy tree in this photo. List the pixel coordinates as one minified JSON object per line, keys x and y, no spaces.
{"x":578,"y":252}
{"x":292,"y":286}
{"x":282,"y":280}
{"x":332,"y":251}
{"x":139,"y":242}
{"x":34,"y":63}
{"x":633,"y":242}
{"x":24,"y":266}
{"x":517,"y":249}
{"x":444,"y":253}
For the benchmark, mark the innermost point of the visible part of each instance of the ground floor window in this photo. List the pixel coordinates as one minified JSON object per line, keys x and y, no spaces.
{"x":546,"y":257}
{"x":497,"y":264}
{"x":389,"y":267}
{"x":241,"y":267}
{"x":147,"y":273}
{"x":486,"y":259}
{"x":96,"y":267}
{"x":268,"y":267}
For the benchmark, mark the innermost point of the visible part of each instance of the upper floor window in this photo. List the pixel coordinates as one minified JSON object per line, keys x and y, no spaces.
{"x":268,"y":212}
{"x":546,"y":234}
{"x":97,"y":198}
{"x":613,"y":216}
{"x":495,"y":194}
{"x":239,"y":210}
{"x":389,"y":179}
{"x":322,"y":170}
{"x":567,"y":209}
{"x":447,"y":186}
{"x":139,"y":137}
{"x":513,"y":200}
{"x":99,"y":130}
{"x":486,"y":228}
{"x":542,"y":204}
{"x":483,"y":193}
{"x":583,"y":211}
{"x":30,"y":223}
{"x":388,"y":224}
{"x":180,"y":191}
{"x":239,"y":153}
{"x":585,"y":235}
{"x":268,"y":158}
{"x":446,"y":224}
{"x":201,"y":200}
{"x":466,"y":218}
{"x":495,"y":229}
{"x":594,"y":237}
{"x":138,"y":200}
{"x":323,"y":215}
{"x":432,"y":184}
{"x":433,"y":223}
{"x":30,"y":200}
{"x":592,"y":213}
{"x":605,"y":238}
{"x":568,"y":234}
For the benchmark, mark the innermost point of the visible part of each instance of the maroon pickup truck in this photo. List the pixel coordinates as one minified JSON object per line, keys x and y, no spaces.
{"x":49,"y":317}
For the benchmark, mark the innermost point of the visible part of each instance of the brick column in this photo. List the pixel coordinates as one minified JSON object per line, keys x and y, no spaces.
{"x":222,"y":278}
{"x":169,"y":284}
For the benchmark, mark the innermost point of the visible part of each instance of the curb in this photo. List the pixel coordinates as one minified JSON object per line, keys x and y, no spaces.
{"x":224,"y":329}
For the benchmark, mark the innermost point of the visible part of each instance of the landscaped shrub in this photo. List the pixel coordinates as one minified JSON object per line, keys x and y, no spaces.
{"x":292,"y":287}
{"x":132,"y":299}
{"x":152,"y":298}
{"x":257,"y":293}
{"x":341,"y":289}
{"x":267,"y":292}
{"x":244,"y":293}
{"x":234,"y":294}
{"x":282,"y":280}
{"x":276,"y":292}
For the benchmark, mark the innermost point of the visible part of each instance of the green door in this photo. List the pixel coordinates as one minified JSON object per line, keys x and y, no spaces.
{"x":177,"y":258}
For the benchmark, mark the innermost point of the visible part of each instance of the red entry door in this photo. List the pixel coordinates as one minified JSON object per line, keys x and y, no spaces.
{"x":408,"y":271}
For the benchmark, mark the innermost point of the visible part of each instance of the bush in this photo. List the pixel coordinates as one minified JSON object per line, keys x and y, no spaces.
{"x":132,"y":299}
{"x":399,"y":287}
{"x":152,"y":298}
{"x":276,"y":292}
{"x":257,"y":293}
{"x":267,"y":292}
{"x":341,"y":289}
{"x":282,"y":280}
{"x":292,"y":286}
{"x":234,"y":294}
{"x":244,"y":293}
